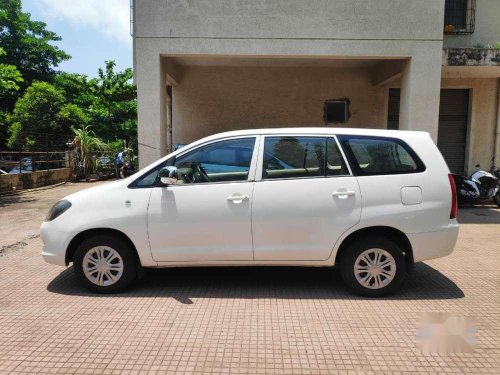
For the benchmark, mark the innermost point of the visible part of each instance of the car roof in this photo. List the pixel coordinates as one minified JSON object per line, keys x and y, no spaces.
{"x":321,"y":130}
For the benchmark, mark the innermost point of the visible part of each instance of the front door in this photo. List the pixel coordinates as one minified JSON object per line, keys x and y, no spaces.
{"x":206,"y":216}
{"x":305,"y":200}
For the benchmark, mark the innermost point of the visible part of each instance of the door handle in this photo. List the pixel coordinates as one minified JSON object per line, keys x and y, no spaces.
{"x":237,"y":198}
{"x":343,"y":194}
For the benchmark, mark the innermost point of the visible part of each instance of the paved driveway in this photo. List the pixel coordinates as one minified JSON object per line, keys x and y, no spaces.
{"x":262,"y":320}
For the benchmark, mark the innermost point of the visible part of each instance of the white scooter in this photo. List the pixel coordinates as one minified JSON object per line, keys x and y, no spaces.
{"x":481,"y":185}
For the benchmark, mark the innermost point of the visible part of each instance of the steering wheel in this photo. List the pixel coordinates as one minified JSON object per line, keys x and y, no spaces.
{"x":202,"y":174}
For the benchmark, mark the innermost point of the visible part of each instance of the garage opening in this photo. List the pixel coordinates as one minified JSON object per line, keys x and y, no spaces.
{"x":452,"y":130}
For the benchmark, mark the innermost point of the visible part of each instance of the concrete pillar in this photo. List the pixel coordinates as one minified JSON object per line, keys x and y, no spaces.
{"x":420,"y":92}
{"x":151,"y":108}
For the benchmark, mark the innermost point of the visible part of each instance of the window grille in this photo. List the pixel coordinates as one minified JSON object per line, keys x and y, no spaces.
{"x":459,"y":16}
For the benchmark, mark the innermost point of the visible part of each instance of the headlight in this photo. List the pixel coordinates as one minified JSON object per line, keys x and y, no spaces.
{"x":58,"y":209}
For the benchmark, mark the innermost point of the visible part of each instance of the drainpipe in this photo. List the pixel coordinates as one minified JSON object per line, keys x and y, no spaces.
{"x":496,"y":152}
{"x":169,"y":119}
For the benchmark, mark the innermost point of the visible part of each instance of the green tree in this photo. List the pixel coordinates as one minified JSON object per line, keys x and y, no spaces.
{"x":10,"y":77}
{"x":115,"y":111}
{"x":27,"y":44}
{"x":72,"y":116}
{"x":36,"y":120}
{"x":77,"y":89}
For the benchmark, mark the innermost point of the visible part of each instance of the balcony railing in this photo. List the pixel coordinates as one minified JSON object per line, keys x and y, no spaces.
{"x":459,"y":16}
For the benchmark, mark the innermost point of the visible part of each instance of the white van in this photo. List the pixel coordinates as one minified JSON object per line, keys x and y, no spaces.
{"x":370,"y":202}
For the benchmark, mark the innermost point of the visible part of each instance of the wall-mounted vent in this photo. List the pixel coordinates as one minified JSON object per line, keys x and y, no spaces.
{"x":336,"y":111}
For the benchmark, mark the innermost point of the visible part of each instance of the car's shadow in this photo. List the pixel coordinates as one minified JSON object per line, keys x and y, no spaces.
{"x":486,"y":214}
{"x":186,"y":284}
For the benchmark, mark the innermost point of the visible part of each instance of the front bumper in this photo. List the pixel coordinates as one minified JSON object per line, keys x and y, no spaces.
{"x":55,"y":243}
{"x":431,"y":245}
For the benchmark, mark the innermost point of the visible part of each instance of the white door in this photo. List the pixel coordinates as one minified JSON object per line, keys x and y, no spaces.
{"x":303,"y":203}
{"x":206,"y":216}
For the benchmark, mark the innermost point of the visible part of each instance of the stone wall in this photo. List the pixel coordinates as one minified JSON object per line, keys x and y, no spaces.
{"x":11,"y":182}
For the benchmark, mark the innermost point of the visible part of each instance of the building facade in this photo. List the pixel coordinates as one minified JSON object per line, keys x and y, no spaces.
{"x":203,"y":67}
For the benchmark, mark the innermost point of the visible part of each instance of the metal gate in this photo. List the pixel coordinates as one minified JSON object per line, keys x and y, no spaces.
{"x":452,"y":132}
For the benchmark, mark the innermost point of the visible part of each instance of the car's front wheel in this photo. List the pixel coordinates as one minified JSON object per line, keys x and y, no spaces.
{"x":105,"y":264}
{"x":373,"y":266}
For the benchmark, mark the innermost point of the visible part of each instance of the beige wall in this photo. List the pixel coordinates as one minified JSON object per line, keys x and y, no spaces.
{"x":290,"y":19}
{"x":487,"y":30}
{"x":216,"y":99}
{"x":316,"y":29}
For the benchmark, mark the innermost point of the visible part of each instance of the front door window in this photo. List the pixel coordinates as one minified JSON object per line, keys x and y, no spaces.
{"x":225,"y":161}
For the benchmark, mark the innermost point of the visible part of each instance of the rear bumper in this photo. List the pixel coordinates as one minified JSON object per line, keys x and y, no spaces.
{"x":431,"y":245}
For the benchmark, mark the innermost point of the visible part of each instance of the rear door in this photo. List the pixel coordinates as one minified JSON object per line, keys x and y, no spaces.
{"x":304,"y":200}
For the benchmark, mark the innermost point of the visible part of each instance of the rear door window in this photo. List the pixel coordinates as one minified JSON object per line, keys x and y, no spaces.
{"x":293,"y":157}
{"x":380,"y":155}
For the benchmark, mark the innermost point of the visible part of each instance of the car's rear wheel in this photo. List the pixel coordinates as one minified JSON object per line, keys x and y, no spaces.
{"x":105,"y":264}
{"x":373,"y":266}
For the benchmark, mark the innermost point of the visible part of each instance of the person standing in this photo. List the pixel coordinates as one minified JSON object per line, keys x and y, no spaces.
{"x":119,"y":162}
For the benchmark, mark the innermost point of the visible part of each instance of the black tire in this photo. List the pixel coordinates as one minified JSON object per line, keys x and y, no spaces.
{"x":128,"y":257}
{"x":355,"y":249}
{"x":496,"y":198}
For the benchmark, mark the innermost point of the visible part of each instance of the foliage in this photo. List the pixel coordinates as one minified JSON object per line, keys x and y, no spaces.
{"x":72,"y":116}
{"x":77,"y":89}
{"x":37,"y":112}
{"x":10,"y":77}
{"x":108,"y":101}
{"x":115,"y":110}
{"x":27,"y":44}
{"x":87,"y":143}
{"x":40,"y":106}
{"x":496,"y":45}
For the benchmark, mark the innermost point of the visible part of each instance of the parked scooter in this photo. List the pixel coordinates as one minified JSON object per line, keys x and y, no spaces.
{"x":126,"y":170}
{"x":480,"y":186}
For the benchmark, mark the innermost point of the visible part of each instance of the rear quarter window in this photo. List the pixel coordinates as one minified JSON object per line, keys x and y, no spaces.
{"x":380,"y":155}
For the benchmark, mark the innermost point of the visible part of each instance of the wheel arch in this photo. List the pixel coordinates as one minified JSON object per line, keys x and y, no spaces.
{"x":82,"y":236}
{"x":383,"y":231}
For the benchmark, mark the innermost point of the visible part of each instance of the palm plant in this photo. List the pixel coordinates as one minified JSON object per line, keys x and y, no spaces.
{"x":87,"y":143}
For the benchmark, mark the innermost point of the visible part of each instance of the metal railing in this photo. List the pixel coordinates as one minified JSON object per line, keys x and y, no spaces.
{"x":31,"y":161}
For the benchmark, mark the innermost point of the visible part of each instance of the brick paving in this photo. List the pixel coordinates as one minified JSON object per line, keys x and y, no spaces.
{"x":248,"y":320}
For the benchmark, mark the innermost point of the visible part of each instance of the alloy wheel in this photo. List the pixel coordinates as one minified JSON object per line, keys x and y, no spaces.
{"x":102,"y":265}
{"x":375,"y":268}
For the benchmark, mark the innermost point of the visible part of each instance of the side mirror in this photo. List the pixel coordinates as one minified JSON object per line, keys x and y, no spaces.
{"x":168,"y":175}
